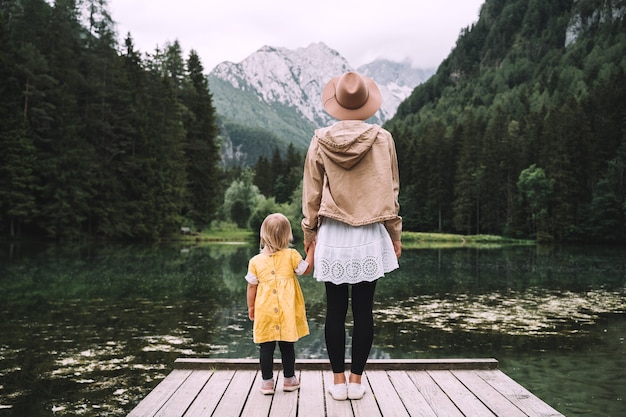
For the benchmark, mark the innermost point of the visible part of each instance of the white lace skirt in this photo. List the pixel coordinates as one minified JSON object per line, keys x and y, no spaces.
{"x":349,"y":254}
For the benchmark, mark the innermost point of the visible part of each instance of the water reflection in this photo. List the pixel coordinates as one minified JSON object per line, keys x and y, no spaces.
{"x":534,"y":312}
{"x":90,"y":330}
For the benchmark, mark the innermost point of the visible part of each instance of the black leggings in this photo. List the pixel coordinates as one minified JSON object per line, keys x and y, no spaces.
{"x":337,"y":297}
{"x":288,"y":357}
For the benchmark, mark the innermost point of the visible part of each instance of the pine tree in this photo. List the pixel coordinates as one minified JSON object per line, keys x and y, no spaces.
{"x":263,"y":176}
{"x":441,"y":176}
{"x":163,"y":144}
{"x":470,"y":178}
{"x":201,"y":149}
{"x":501,"y":173}
{"x":408,"y":154}
{"x":18,"y":181}
{"x":105,"y":103}
{"x":294,"y":165}
{"x":567,"y":160}
{"x":66,"y":158}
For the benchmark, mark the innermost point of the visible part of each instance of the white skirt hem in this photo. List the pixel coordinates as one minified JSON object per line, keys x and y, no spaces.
{"x":349,"y":254}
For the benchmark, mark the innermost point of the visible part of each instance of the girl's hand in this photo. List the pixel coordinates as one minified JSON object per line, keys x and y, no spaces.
{"x":251,"y":313}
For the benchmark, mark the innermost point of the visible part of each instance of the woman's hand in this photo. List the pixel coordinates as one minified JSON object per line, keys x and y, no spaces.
{"x":397,"y":247}
{"x":308,"y":244}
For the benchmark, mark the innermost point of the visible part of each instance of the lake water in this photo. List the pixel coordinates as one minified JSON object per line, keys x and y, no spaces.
{"x":90,"y":330}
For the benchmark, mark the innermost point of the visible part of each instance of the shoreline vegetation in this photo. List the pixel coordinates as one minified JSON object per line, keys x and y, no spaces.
{"x":410,"y":240}
{"x":413,"y":240}
{"x":230,"y":234}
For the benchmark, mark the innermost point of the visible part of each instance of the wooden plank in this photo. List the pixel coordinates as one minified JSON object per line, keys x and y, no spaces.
{"x":367,"y":406}
{"x":234,"y":398}
{"x":493,"y":399}
{"x":257,"y":404}
{"x":335,"y":408}
{"x":415,"y":388}
{"x":460,"y":395}
{"x":518,"y":395}
{"x":179,"y":402}
{"x":217,"y":363}
{"x":389,"y":403}
{"x":436,"y":398}
{"x":428,"y":364}
{"x":285,"y":403}
{"x":207,"y":400}
{"x":311,"y":394}
{"x":160,"y":394}
{"x":413,"y":400}
{"x":322,"y":364}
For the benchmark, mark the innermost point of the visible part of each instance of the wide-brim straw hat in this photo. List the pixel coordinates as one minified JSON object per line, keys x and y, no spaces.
{"x":351,"y":96}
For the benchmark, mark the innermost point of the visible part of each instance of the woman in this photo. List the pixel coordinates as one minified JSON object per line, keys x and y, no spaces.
{"x":350,"y":210}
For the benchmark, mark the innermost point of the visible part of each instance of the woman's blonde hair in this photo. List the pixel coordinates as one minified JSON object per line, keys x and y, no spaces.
{"x":276,"y":232}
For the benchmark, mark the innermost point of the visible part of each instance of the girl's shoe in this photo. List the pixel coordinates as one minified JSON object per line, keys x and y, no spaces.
{"x":355,"y":391}
{"x":339,"y":392}
{"x":291,"y":384}
{"x":267,"y":386}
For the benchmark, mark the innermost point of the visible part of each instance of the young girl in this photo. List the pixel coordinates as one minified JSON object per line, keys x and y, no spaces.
{"x":275,"y":300}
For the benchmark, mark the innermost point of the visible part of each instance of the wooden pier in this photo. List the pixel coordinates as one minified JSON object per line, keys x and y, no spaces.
{"x":424,"y":388}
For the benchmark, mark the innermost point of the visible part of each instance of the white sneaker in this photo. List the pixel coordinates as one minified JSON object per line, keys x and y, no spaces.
{"x":355,"y":391}
{"x":339,"y":392}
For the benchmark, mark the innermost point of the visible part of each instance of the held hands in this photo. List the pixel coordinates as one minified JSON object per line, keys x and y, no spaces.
{"x":309,"y":245}
{"x":310,"y":256}
{"x":397,"y":247}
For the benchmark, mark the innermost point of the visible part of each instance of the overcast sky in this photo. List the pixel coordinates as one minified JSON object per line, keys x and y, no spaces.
{"x":422,"y":31}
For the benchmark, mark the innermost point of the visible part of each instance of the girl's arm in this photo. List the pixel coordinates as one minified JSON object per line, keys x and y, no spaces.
{"x":251,"y":297}
{"x":310,"y":257}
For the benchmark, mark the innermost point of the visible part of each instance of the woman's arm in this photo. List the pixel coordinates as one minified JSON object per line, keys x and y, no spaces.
{"x":312,"y":183}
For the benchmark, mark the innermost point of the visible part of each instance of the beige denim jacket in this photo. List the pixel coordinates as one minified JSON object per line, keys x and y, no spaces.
{"x":351,"y":175}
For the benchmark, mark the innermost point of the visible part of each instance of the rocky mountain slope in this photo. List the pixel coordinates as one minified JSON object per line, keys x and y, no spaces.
{"x":277,"y":91}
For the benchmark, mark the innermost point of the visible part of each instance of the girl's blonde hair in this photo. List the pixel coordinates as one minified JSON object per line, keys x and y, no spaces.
{"x":276,"y":232}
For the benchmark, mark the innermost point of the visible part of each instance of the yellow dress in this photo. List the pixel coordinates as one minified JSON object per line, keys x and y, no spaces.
{"x":279,"y":312}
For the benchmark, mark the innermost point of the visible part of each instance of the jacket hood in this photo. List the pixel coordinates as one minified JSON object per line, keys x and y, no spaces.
{"x":347,"y":142}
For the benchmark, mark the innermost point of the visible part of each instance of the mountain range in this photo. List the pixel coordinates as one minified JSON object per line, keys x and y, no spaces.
{"x":272,"y":98}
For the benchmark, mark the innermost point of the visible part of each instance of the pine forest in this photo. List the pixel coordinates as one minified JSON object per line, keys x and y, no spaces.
{"x":520,"y":132}
{"x":96,"y":142}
